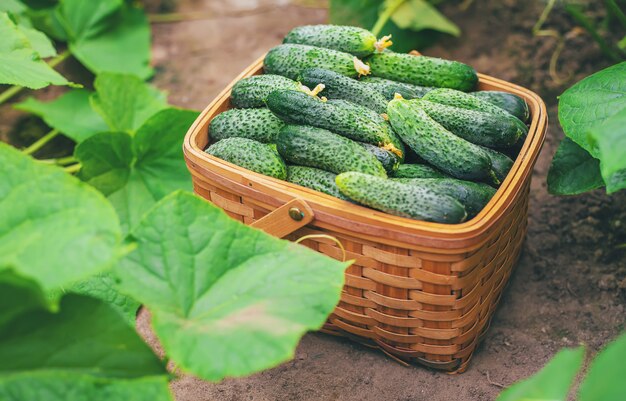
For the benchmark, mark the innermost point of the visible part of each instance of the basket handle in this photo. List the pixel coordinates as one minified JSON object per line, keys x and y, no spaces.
{"x":286,"y":219}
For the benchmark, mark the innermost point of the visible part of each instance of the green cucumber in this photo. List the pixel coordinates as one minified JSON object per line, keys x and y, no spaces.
{"x":500,"y":163}
{"x":417,"y":171}
{"x":423,"y":71}
{"x":314,"y":178}
{"x":509,"y":102}
{"x":389,"y":88}
{"x":341,"y":117}
{"x":291,"y":60}
{"x":337,"y":86}
{"x":474,"y":126}
{"x":252,"y":91}
{"x":257,"y":124}
{"x":400,"y":199}
{"x":389,"y":160}
{"x":439,"y":147}
{"x":317,"y":147}
{"x":473,"y":195}
{"x":350,"y":39}
{"x":250,"y":154}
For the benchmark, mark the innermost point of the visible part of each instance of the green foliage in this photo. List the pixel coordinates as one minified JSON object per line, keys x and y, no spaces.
{"x":226,"y":299}
{"x":20,"y":63}
{"x":135,"y":171}
{"x":413,"y":24}
{"x":604,"y":380}
{"x":593,"y":115}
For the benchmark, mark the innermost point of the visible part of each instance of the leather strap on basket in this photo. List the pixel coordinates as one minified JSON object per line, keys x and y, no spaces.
{"x":286,"y":219}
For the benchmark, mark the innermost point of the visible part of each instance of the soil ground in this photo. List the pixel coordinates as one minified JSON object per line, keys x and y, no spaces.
{"x":569,"y":286}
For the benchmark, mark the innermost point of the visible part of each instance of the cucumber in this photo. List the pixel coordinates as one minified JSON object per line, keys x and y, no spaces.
{"x":317,"y":147}
{"x":500,"y":163}
{"x":439,"y":147}
{"x":389,"y":88}
{"x":400,"y":199}
{"x":290,"y":60}
{"x":452,"y":97}
{"x":257,"y":124}
{"x":473,"y":195}
{"x":250,"y":154}
{"x":511,"y":103}
{"x":341,"y":117}
{"x":337,"y":86}
{"x":423,"y":71}
{"x":474,"y":126}
{"x":389,"y":160}
{"x":252,"y":91}
{"x":350,"y":39}
{"x":417,"y":171}
{"x":314,"y":178}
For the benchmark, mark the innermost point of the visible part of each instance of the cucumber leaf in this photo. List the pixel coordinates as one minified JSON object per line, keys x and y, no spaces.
{"x":125,"y":102}
{"x":590,"y":102}
{"x":573,"y":170}
{"x":12,"y":6}
{"x":18,"y":295}
{"x":610,"y":140}
{"x":552,"y":383}
{"x":226,"y":299}
{"x":70,"y":113}
{"x":39,"y":41}
{"x":418,"y":15}
{"x":54,"y":229}
{"x":84,"y":19}
{"x":84,"y":352}
{"x":605,"y":377}
{"x":20,"y":64}
{"x":134,"y":172}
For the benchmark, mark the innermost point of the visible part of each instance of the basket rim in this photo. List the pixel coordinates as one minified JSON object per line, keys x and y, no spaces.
{"x":504,"y":197}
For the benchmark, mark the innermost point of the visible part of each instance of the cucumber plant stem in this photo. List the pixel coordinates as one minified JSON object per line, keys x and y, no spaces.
{"x":583,"y":21}
{"x":616,"y":11}
{"x":385,"y":15}
{"x":73,"y":168}
{"x":14,"y":90}
{"x":41,"y":142}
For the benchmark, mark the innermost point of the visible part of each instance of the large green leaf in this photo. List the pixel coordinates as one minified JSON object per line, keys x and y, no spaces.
{"x":39,"y":41}
{"x":125,"y":102}
{"x":134,"y":172}
{"x":590,"y":102}
{"x":54,"y":229}
{"x":104,"y":287}
{"x":84,"y":352}
{"x":226,"y":299}
{"x":70,"y":113}
{"x":552,"y":383}
{"x":20,"y":64}
{"x":18,"y":295}
{"x":610,"y":140}
{"x":573,"y":170}
{"x":418,"y":15}
{"x":12,"y":6}
{"x":605,"y":378}
{"x":85,"y":19}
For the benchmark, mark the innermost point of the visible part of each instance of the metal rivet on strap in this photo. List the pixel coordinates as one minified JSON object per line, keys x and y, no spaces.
{"x":296,"y":214}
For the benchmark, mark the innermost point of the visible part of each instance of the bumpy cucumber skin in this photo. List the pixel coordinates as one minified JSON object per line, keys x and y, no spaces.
{"x":389,"y":88}
{"x":417,"y":171}
{"x":439,"y":147}
{"x":400,"y":199}
{"x":290,"y":60}
{"x":350,"y":39}
{"x":475,"y":126}
{"x":423,"y":71}
{"x":316,"y":147}
{"x":473,"y":195}
{"x":338,"y":86}
{"x":500,"y":163}
{"x":253,"y":155}
{"x":256,"y":124}
{"x":314,"y":178}
{"x":389,"y":160}
{"x":252,"y":91}
{"x":509,"y":102}
{"x":347,"y":119}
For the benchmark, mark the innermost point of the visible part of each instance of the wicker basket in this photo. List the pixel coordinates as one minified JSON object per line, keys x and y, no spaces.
{"x":422,"y":292}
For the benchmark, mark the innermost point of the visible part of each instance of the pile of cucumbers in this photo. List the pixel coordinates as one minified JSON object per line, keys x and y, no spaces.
{"x":338,"y":112}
